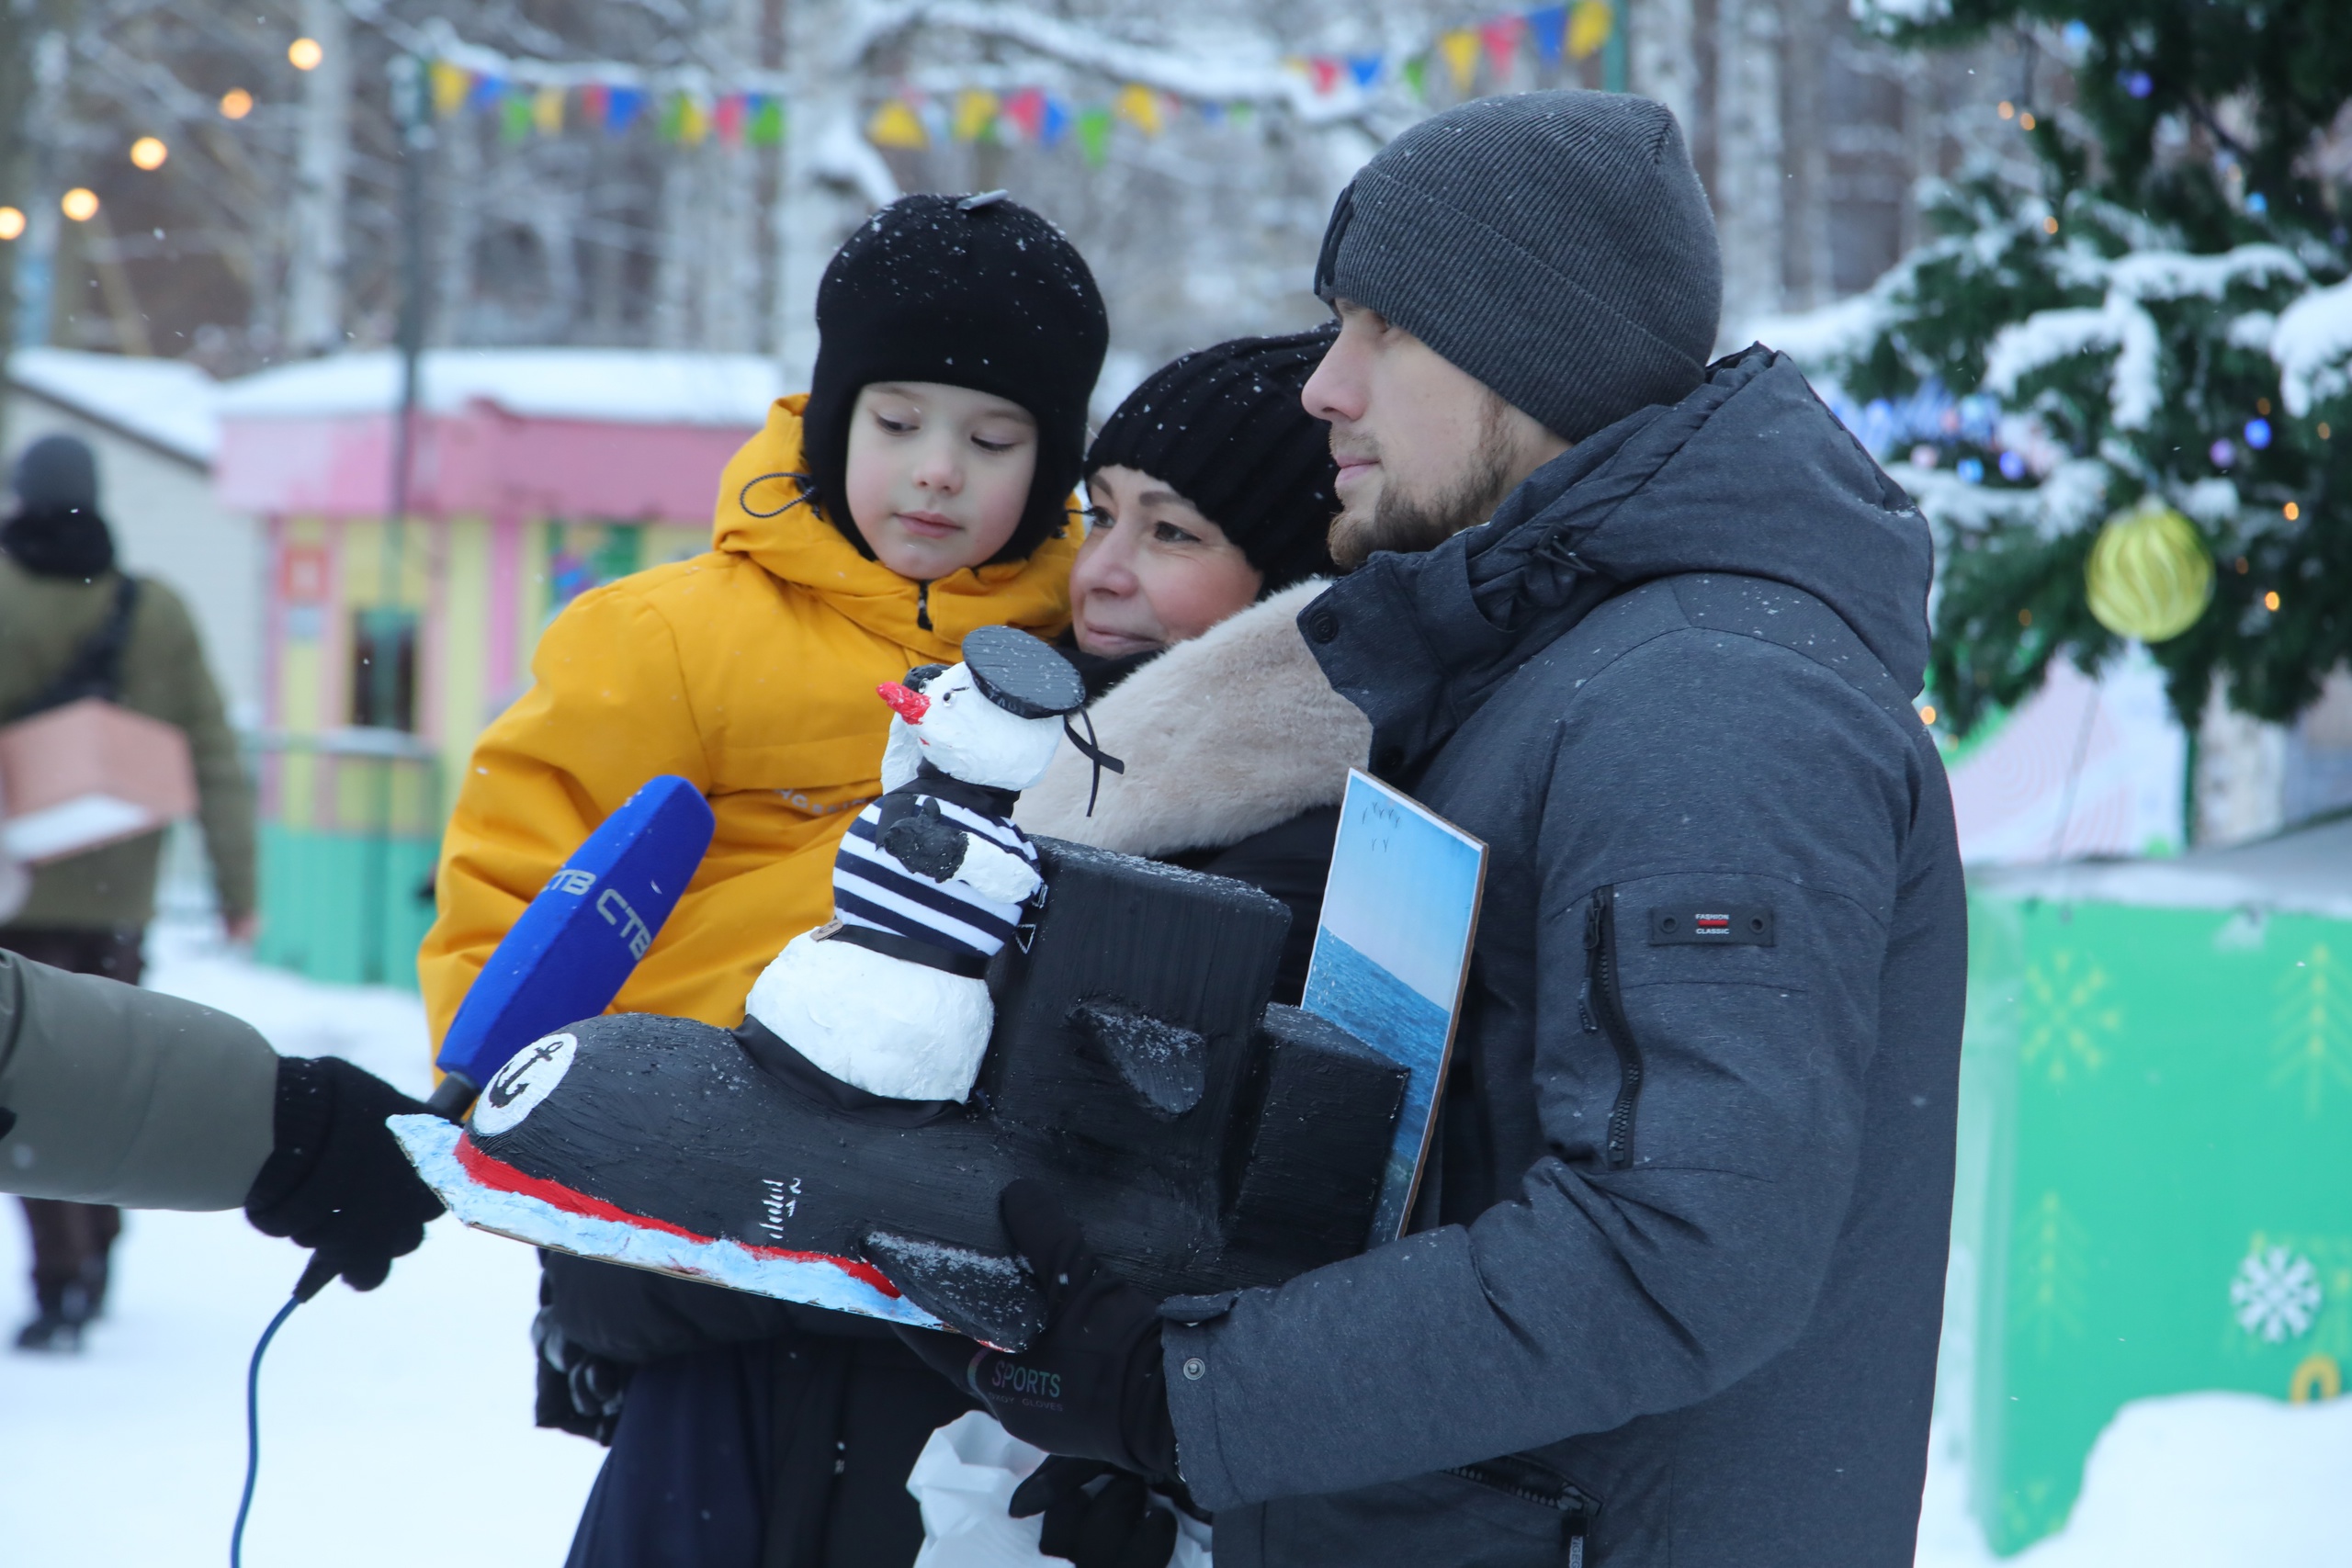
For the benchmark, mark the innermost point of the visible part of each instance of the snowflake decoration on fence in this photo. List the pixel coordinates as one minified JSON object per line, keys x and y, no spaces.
{"x":2276,"y":1294}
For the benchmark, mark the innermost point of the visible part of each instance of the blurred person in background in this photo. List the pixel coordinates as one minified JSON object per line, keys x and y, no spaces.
{"x":74,"y":625}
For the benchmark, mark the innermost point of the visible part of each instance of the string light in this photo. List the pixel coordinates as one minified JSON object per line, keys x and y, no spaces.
{"x":2292,"y":511}
{"x":2025,"y":617}
{"x":80,"y":204}
{"x":149,"y":152}
{"x":2242,"y":565}
{"x":2323,"y":431}
{"x":236,"y":103}
{"x":2008,"y":109}
{"x":2271,"y":600}
{"x":12,"y":223}
{"x":2050,"y":225}
{"x":1927,"y":714}
{"x":304,"y":54}
{"x":2025,"y":121}
{"x":2262,"y":407}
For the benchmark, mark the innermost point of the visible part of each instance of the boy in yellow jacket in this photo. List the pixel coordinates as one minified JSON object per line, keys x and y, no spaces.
{"x":919,"y":491}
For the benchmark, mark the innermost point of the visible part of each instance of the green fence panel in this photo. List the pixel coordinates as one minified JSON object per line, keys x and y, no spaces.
{"x":346,"y":908}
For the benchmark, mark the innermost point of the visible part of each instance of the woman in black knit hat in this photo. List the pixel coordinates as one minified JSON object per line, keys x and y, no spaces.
{"x":1210,"y":492}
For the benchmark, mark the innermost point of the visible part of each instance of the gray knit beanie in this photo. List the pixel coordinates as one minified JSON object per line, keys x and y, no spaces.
{"x":1557,"y":246}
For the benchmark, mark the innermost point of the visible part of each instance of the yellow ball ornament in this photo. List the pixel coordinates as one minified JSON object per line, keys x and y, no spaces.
{"x":2149,"y":575}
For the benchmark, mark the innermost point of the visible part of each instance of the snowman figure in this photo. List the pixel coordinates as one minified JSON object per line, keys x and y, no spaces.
{"x":930,"y":881}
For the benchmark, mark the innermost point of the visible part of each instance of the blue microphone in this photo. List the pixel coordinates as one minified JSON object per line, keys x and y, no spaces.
{"x":575,"y":946}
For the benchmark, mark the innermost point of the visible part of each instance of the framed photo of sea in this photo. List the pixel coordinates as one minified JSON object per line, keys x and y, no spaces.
{"x":1392,"y":951}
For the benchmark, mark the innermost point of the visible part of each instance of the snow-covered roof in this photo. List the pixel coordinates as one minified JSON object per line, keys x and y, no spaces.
{"x":620,"y":386}
{"x":166,"y":402}
{"x":2303,"y":871}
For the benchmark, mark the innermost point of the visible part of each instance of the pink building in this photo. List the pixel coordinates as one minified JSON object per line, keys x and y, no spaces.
{"x":536,"y":474}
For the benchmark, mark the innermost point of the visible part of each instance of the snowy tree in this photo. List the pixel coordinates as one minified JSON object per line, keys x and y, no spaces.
{"x":2151,"y":328}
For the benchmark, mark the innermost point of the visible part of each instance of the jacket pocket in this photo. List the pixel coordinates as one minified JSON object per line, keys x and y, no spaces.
{"x":1531,"y":1481}
{"x":1604,"y":1013}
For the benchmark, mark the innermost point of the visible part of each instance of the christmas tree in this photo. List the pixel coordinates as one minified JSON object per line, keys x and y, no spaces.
{"x":2118,"y":382}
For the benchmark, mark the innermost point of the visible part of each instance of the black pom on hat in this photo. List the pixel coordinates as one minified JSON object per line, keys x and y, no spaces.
{"x":969,"y":292}
{"x":1224,"y":428}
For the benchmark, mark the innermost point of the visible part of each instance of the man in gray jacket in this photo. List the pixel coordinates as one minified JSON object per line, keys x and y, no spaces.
{"x":1651,"y":629}
{"x":109,"y":1094}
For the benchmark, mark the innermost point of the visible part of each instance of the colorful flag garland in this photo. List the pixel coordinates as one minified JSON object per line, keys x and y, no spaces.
{"x":530,"y":100}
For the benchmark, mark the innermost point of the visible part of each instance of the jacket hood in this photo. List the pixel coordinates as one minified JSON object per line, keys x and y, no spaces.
{"x":1750,"y":475}
{"x":1223,"y":736}
{"x":763,"y":514}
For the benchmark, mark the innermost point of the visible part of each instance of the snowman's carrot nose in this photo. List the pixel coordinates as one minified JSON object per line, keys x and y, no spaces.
{"x":907,"y":702}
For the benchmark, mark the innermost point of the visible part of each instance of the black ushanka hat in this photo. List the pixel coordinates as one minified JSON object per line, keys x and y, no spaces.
{"x":972,"y":291}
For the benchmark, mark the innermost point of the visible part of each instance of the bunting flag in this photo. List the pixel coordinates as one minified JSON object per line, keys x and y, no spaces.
{"x":1094,"y":136}
{"x":1026,"y":110}
{"x":1590,"y":27}
{"x":531,"y":98}
{"x":766,"y":129}
{"x":1139,"y":107}
{"x":894,"y":125}
{"x":1460,"y":48}
{"x":1548,"y":25}
{"x":1501,"y":37}
{"x":451,"y":84}
{"x":975,"y":113}
{"x":622,"y":105}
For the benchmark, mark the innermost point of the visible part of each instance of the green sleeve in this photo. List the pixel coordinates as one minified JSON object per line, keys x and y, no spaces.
{"x":129,"y":1097}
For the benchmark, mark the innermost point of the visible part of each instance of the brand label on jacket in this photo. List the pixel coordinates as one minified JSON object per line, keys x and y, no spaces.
{"x":1710,"y":925}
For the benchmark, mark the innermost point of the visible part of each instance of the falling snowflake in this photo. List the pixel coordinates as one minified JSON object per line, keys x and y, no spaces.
{"x":2276,"y":1294}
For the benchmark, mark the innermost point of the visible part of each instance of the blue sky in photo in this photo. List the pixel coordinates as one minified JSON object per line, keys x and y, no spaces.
{"x":1402,"y":890}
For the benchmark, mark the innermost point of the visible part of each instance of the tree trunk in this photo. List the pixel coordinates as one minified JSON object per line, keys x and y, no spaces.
{"x":314,"y":275}
{"x":1749,"y":204}
{"x":1663,"y":59}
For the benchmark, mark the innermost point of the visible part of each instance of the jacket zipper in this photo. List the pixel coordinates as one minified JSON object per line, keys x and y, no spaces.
{"x":1604,"y":1011}
{"x":1530,"y":1481}
{"x":922,"y":605}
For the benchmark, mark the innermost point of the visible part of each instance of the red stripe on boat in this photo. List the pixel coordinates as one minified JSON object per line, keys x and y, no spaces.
{"x":497,"y":1174}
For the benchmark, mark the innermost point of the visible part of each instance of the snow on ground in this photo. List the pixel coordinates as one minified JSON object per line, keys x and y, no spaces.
{"x":396,"y":1426}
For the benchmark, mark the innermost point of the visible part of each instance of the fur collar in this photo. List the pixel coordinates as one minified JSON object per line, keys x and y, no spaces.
{"x":1223,"y":736}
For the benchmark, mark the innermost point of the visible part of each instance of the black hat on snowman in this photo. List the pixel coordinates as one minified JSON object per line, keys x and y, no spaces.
{"x":1027,"y":679}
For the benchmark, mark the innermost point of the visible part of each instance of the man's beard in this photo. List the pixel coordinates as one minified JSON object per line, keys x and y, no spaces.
{"x":1413,"y":522}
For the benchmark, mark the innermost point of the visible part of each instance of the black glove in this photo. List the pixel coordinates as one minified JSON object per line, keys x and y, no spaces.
{"x":579,"y":1392}
{"x":1091,"y":1386}
{"x":336,"y":1181}
{"x":1114,"y":1525}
